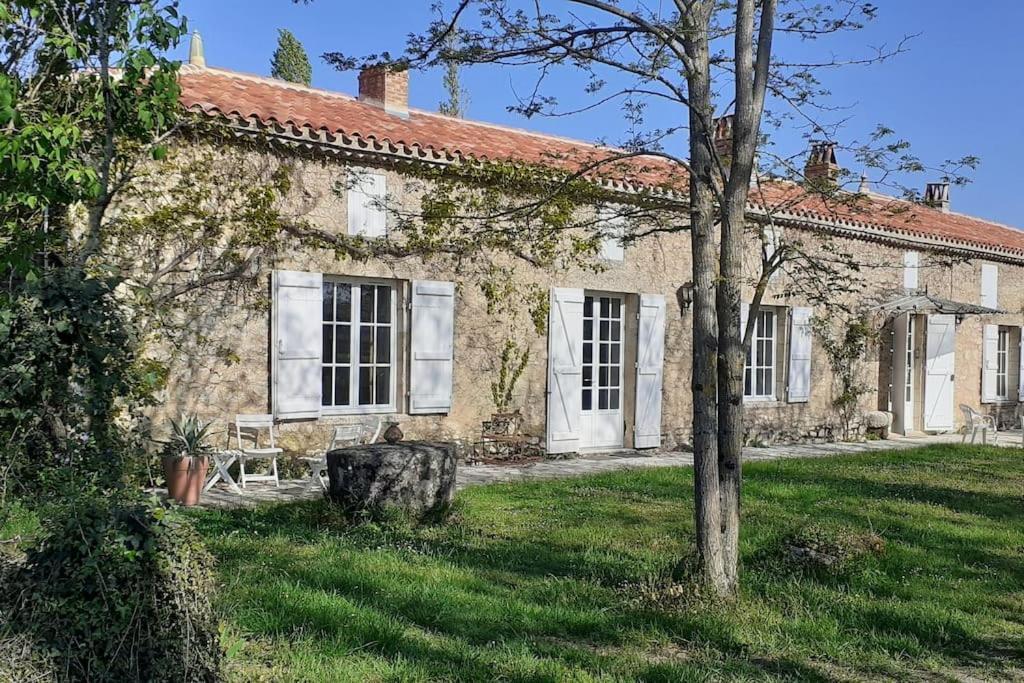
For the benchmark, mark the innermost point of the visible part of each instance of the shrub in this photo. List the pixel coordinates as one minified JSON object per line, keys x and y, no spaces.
{"x":122,"y":593}
{"x":817,"y":549}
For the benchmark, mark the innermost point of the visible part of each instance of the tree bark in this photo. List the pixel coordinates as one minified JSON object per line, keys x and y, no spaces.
{"x":704,"y":376}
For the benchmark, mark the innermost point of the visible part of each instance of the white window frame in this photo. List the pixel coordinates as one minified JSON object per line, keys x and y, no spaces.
{"x":354,"y":408}
{"x":1003,"y":364}
{"x":909,"y":378}
{"x":768,"y":333}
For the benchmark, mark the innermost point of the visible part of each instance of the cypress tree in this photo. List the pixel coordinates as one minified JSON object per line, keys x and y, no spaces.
{"x":290,"y":62}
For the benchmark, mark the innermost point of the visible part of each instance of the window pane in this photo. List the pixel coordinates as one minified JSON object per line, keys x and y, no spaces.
{"x":588,"y":307}
{"x":602,"y":399}
{"x":366,"y":303}
{"x":588,"y":375}
{"x":343,"y":344}
{"x":325,"y":386}
{"x":384,"y":344}
{"x":613,"y":376}
{"x":616,"y":353}
{"x":602,"y":377}
{"x":588,"y":329}
{"x":588,"y":353}
{"x":605,"y":306}
{"x":769,"y":353}
{"x":328,"y":345}
{"x":616,"y":308}
{"x":604,"y":330}
{"x":586,"y":399}
{"x":343,"y":303}
{"x":383,"y":382}
{"x":328,"y":301}
{"x":604,"y":355}
{"x":616,"y":331}
{"x":383,"y":304}
{"x":365,"y":386}
{"x":365,"y":343}
{"x":342,"y":384}
{"x":613,"y":399}
{"x":747,"y":388}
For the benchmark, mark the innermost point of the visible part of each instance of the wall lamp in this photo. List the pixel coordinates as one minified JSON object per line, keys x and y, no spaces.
{"x":684,"y":295}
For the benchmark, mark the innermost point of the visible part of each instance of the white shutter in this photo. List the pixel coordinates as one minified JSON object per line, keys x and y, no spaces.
{"x":800,"y":356}
{"x":565,"y":370}
{"x":744,"y":316}
{"x":989,"y":363}
{"x":431,"y":343}
{"x":297,"y":318}
{"x":990,"y":285}
{"x":1020,"y":368}
{"x":911,"y":263}
{"x":366,"y":213}
{"x":650,"y":371}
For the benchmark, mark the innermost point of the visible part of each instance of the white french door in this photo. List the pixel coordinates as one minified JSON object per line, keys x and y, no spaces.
{"x":601,"y":390}
{"x":904,"y":373}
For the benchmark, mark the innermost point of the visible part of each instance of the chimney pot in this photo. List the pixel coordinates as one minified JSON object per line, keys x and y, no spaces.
{"x":196,"y":56}
{"x":723,"y":137}
{"x":821,"y":163}
{"x":387,"y":87}
{"x":936,"y":195}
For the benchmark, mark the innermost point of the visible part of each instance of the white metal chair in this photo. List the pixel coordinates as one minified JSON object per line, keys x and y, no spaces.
{"x":975,"y":422}
{"x":249,"y":427}
{"x":343,"y":435}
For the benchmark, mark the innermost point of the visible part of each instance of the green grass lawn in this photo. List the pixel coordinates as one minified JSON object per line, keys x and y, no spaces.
{"x":561,"y":580}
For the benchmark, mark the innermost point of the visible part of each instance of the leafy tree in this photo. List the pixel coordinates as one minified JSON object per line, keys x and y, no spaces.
{"x":708,"y":66}
{"x":290,"y":61}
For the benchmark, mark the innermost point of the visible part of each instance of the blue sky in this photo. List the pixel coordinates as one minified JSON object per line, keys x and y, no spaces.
{"x":957,"y":91}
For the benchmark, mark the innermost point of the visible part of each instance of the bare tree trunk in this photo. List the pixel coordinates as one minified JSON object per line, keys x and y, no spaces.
{"x":750,"y":82}
{"x":704,"y":377}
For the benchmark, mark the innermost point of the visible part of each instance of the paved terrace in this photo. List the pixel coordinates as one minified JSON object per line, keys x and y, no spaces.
{"x":476,"y":475}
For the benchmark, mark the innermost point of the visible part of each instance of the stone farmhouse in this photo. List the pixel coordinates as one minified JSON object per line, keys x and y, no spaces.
{"x":347,"y":341}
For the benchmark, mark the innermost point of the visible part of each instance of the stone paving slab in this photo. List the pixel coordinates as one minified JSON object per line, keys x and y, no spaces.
{"x":477,"y":475}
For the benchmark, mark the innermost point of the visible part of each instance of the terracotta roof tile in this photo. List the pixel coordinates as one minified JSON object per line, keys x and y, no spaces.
{"x":270,"y":101}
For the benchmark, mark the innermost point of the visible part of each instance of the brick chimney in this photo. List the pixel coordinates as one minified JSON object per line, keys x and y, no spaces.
{"x":723,"y":138}
{"x":386,"y":87}
{"x":936,"y":195}
{"x":821,"y":166}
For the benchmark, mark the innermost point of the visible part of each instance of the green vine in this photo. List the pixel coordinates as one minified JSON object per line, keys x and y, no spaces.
{"x":513,"y":363}
{"x":846,"y":352}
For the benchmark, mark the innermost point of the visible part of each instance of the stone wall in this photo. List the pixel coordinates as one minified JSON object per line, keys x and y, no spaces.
{"x":658,"y":264}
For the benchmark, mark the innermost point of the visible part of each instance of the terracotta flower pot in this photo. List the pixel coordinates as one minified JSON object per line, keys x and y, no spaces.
{"x":185,"y":477}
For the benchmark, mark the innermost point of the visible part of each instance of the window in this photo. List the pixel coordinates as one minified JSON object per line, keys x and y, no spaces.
{"x":911,"y":261}
{"x":990,"y":285}
{"x":358,"y":346}
{"x":603,"y":314}
{"x":759,"y":375}
{"x":1003,"y":364}
{"x":613,"y":226}
{"x":367,"y":215}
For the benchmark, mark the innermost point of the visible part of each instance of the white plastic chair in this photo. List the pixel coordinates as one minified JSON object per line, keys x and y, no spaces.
{"x":975,"y":422}
{"x":343,"y":435}
{"x":249,"y":427}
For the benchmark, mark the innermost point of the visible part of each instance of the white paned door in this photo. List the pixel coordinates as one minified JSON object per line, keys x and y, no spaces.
{"x":431,"y":342}
{"x":650,"y":371}
{"x":565,"y":369}
{"x":940,"y":365}
{"x":903,"y":374}
{"x":296,"y":334}
{"x":601,"y":425}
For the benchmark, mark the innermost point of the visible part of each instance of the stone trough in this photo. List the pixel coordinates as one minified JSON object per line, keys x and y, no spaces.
{"x":415,"y":477}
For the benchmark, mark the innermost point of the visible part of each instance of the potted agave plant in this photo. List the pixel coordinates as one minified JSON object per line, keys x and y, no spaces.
{"x":186,"y":458}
